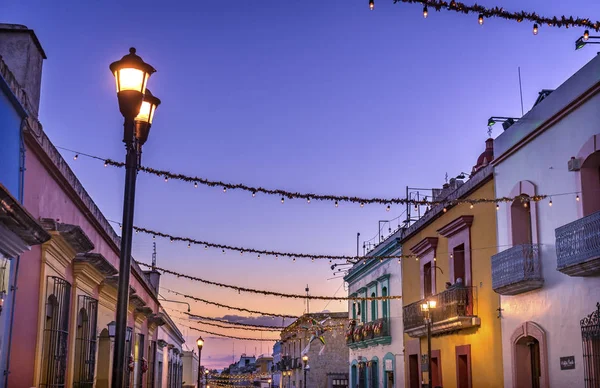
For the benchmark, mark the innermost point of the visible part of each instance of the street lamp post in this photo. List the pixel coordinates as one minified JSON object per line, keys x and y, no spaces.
{"x":137,"y":105}
{"x":206,"y":378}
{"x":427,"y":306}
{"x":289,"y":375}
{"x":306,"y":367}
{"x":200,"y":343}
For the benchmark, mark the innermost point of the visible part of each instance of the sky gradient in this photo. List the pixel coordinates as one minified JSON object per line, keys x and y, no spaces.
{"x":313,"y":96}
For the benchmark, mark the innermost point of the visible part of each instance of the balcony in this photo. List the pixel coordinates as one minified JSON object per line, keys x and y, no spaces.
{"x":369,"y":334}
{"x":578,"y":247}
{"x":517,"y":270}
{"x":456,"y":310}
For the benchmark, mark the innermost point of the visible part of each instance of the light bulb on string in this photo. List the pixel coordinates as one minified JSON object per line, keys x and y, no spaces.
{"x":398,"y":261}
{"x":435,"y":259}
{"x":224,"y":189}
{"x":445,"y":210}
{"x":586,"y":35}
{"x":75,"y":157}
{"x":550,"y":203}
{"x":497,"y":206}
{"x":577,"y":198}
{"x":195,"y":184}
{"x":381,"y":260}
{"x":253,"y":194}
{"x":480,"y":19}
{"x":241,"y":253}
{"x":387,"y":209}
{"x":282,"y":200}
{"x":425,"y":13}
{"x":258,"y":257}
{"x":313,"y":259}
{"x":189,"y":245}
{"x":205,"y":247}
{"x":105,"y":164}
{"x":535,"y":29}
{"x":223,"y":251}
{"x":276,"y":257}
{"x":525,"y":204}
{"x":294,"y":259}
{"x":166,"y":178}
{"x":308,"y":200}
{"x":153,"y":237}
{"x":336,"y":203}
{"x":362,"y":204}
{"x":371,"y":4}
{"x":171,"y":240}
{"x":471,"y":206}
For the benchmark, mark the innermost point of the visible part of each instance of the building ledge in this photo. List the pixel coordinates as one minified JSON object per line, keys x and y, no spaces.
{"x":446,"y":326}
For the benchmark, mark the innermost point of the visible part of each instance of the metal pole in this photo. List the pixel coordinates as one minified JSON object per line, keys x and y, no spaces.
{"x":199,"y":370}
{"x":429,"y":348}
{"x":131,"y":164}
{"x":357,"y":244}
{"x":305,"y":376}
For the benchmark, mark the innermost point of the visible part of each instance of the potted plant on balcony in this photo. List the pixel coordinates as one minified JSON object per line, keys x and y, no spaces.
{"x":378,"y":328}
{"x":350,"y":331}
{"x":358,"y":336}
{"x":368,"y":331}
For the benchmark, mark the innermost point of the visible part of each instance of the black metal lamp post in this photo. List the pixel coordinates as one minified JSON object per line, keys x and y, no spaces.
{"x":206,"y":378}
{"x":427,"y":306}
{"x":137,"y":105}
{"x":306,"y":367}
{"x":200,"y":343}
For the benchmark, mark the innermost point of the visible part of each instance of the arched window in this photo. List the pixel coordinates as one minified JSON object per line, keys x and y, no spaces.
{"x":353,"y":310}
{"x":104,"y":353}
{"x":373,"y":308}
{"x":363,"y":310}
{"x":589,"y":156}
{"x":353,"y":376}
{"x":384,"y":303}
{"x":522,"y":215}
{"x":373,"y":374}
{"x":520,"y":218}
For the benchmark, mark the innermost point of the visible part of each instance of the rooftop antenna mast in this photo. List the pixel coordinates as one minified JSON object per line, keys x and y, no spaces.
{"x":521,"y":91}
{"x":307,"y":301}
{"x":154,"y":257}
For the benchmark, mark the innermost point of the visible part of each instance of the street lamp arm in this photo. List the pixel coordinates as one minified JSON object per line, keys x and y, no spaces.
{"x":176,"y":301}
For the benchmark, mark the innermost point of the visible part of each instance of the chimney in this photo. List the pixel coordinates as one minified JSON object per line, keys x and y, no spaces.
{"x":22,"y":52}
{"x":154,"y":279}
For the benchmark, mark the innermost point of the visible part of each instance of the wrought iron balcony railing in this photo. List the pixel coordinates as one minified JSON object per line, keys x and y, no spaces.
{"x":517,"y":270}
{"x":456,"y":309}
{"x":578,"y":246}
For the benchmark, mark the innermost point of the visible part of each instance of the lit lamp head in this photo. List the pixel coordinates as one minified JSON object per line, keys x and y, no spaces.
{"x":206,"y":372}
{"x":200,"y":343}
{"x":143,"y":121}
{"x":428,"y":305}
{"x":269,"y":381}
{"x":305,"y":358}
{"x":491,"y":122}
{"x":131,"y":76}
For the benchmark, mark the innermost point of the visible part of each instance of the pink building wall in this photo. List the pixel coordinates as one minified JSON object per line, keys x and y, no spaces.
{"x":46,"y":198}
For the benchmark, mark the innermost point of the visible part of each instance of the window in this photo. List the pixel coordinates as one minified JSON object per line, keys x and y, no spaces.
{"x":151,"y":362}
{"x":427,"y":281}
{"x":363,"y":310}
{"x":159,"y":376}
{"x":353,"y":310}
{"x":373,"y":307}
{"x":384,"y":303}
{"x":353,"y":376}
{"x":138,"y":355}
{"x":56,"y":326}
{"x":522,"y":215}
{"x":590,"y":334}
{"x":590,"y":183}
{"x":458,"y":254}
{"x":85,"y":342}
{"x":374,"y":374}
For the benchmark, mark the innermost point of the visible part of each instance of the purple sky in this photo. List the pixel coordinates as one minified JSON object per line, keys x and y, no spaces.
{"x":318,"y":96}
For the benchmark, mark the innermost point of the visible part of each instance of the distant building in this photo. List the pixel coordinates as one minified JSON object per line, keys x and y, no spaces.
{"x":374,"y":334}
{"x":323,"y":370}
{"x":190,"y":369}
{"x":277,"y":358}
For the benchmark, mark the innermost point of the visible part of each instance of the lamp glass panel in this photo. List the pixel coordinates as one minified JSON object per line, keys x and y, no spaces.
{"x":432,"y":304}
{"x":424,"y":307}
{"x":131,"y":79}
{"x":145,"y":113}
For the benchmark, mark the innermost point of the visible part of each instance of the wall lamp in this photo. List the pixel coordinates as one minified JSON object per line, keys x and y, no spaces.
{"x":584,"y":39}
{"x":506,"y":121}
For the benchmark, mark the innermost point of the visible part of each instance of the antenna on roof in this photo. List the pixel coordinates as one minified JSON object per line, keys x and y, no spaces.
{"x":521,"y":91}
{"x":154,"y":257}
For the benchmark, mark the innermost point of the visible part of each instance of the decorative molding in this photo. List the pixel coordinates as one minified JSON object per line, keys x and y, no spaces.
{"x":456,"y":226}
{"x":362,"y":290}
{"x":372,"y":284}
{"x":424,"y":246}
{"x":57,"y":253}
{"x":11,"y":245}
{"x":383,"y":278}
{"x":98,"y":261}
{"x":107,"y":296}
{"x":531,"y":329}
{"x":72,"y":234}
{"x":19,"y":221}
{"x":136,"y":301}
{"x":86,"y":274}
{"x":156,"y":320}
{"x":161,"y":343}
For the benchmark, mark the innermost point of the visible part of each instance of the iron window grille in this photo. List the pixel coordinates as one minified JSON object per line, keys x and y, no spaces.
{"x":590,"y":335}
{"x":85,"y":342}
{"x":128,"y":374}
{"x":56,"y":332}
{"x":139,"y":354}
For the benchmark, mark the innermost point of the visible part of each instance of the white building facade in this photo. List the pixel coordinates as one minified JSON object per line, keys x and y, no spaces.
{"x":375,"y":335}
{"x":548,"y":273}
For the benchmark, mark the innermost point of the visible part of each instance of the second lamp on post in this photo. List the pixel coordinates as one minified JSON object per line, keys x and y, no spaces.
{"x":306,"y":367}
{"x":427,"y":306}
{"x":137,"y":105}
{"x":200,"y":343}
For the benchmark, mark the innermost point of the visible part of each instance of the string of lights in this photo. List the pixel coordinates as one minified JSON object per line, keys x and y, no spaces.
{"x":195,"y":316}
{"x":308,"y":196}
{"x":228,"y":336}
{"x":248,"y":377}
{"x":237,"y":327}
{"x":230,"y":307}
{"x":265,"y":292}
{"x":499,"y":12}
{"x":242,"y":250}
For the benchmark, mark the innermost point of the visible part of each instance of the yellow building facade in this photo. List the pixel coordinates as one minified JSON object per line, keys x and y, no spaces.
{"x":452,"y":246}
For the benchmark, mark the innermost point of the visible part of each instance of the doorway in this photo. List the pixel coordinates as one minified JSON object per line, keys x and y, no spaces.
{"x":413,"y":371}
{"x":527,"y":366}
{"x":389,"y":379}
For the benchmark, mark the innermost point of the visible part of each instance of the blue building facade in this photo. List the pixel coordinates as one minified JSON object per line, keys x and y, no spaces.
{"x":18,"y":229}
